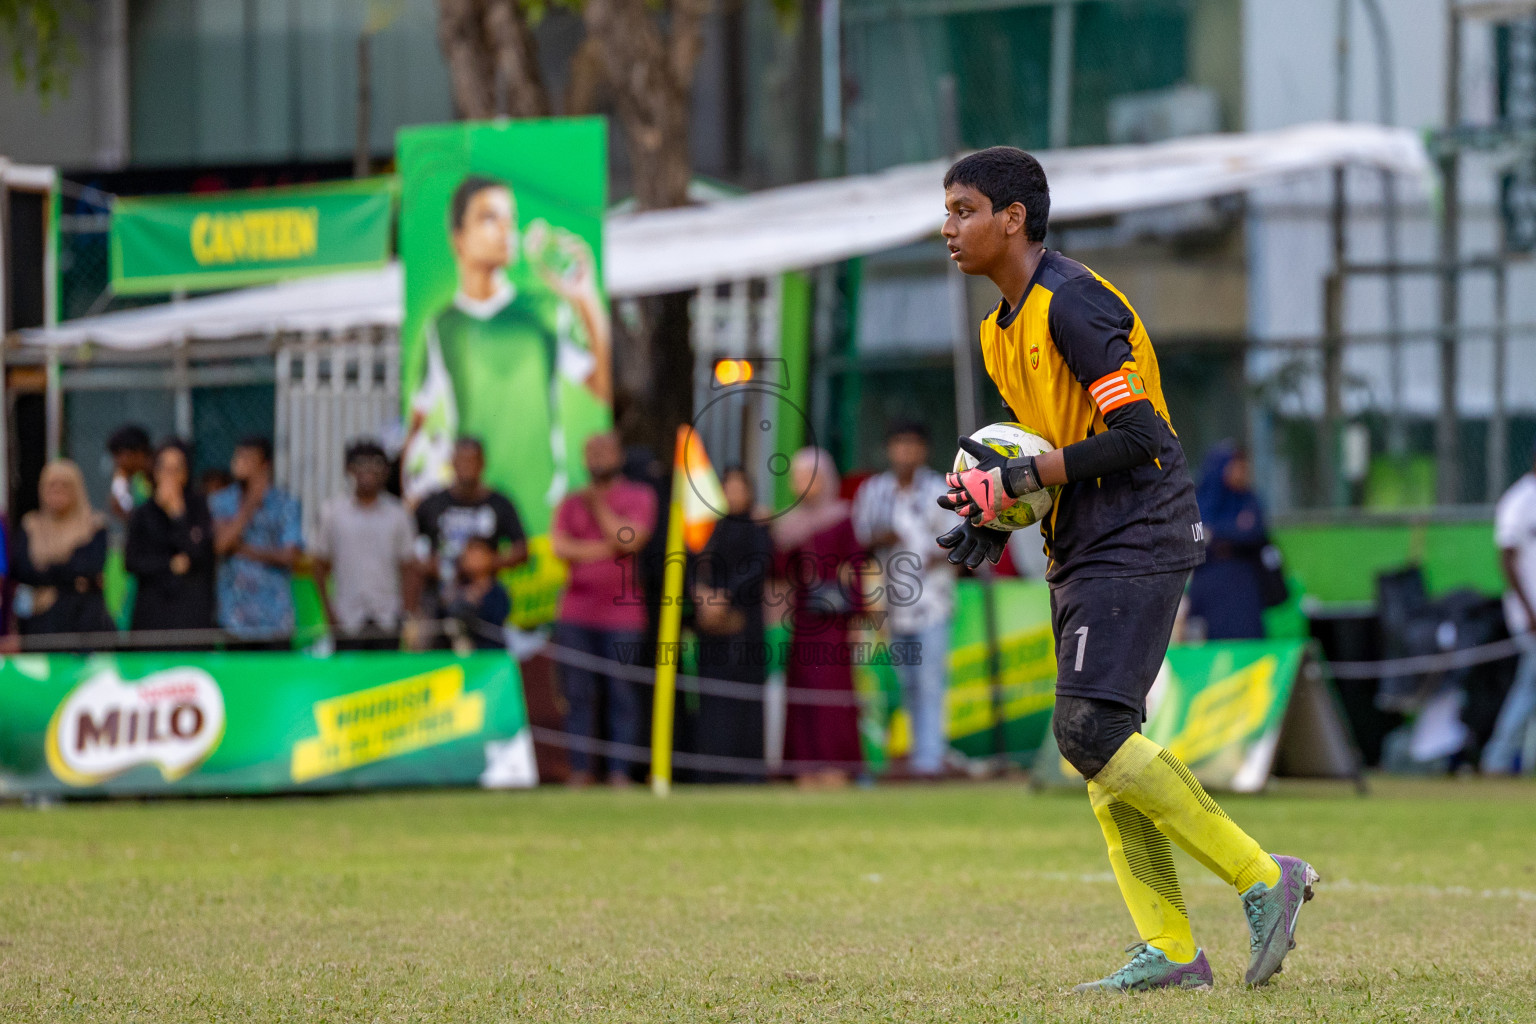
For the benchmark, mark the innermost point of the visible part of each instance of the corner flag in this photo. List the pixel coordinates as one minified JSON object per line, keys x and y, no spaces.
{"x":697,"y":499}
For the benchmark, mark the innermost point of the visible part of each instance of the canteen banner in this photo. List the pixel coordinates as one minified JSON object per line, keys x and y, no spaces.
{"x":506,"y":336}
{"x":165,"y":244}
{"x":182,"y":724}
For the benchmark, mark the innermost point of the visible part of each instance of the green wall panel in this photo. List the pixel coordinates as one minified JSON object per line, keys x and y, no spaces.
{"x":1339,"y":563}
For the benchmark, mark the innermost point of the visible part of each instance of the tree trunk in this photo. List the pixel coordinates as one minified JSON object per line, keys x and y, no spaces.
{"x":658,"y":149}
{"x":651,"y":75}
{"x":587,"y":82}
{"x":489,"y":48}
{"x":671,"y":364}
{"x":652,"y":79}
{"x":517,"y":60}
{"x":471,"y":68}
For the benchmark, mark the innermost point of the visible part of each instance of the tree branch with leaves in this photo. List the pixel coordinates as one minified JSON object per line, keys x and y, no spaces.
{"x":41,"y":51}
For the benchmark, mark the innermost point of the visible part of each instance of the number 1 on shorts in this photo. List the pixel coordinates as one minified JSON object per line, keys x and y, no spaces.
{"x":1082,"y":647}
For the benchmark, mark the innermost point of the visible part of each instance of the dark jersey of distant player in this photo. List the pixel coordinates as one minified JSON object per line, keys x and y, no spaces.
{"x":1071,"y":352}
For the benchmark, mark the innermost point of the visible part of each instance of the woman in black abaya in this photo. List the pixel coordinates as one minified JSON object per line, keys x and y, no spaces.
{"x":728,"y":603}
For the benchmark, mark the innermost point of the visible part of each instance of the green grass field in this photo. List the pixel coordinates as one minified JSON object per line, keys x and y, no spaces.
{"x":971,"y":903}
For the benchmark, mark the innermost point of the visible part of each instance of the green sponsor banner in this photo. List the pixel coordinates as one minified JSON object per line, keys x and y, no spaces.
{"x":506,"y":334}
{"x":1026,"y":669}
{"x":1219,"y":707}
{"x":1026,"y":675}
{"x":164,"y":244}
{"x":147,"y":724}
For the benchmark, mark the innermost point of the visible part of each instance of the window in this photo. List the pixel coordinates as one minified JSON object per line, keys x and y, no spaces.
{"x":239,"y":81}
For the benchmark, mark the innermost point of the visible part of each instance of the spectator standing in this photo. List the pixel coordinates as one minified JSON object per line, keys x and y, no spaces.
{"x":1514,"y":526}
{"x":170,"y":551}
{"x":364,"y":552}
{"x":58,"y":558}
{"x":818,"y":554}
{"x":257,"y":531}
{"x":732,"y":571}
{"x":213,"y":480}
{"x":1226,"y":593}
{"x":896,"y":514}
{"x":5,"y":570}
{"x":129,"y":488}
{"x":480,"y":603}
{"x":598,"y":530}
{"x":447,"y":519}
{"x":131,"y":462}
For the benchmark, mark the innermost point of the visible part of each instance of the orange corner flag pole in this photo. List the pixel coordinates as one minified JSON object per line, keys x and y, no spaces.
{"x":669,"y":628}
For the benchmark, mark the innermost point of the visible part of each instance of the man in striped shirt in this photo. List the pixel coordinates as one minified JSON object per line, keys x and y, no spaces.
{"x":896,"y":515}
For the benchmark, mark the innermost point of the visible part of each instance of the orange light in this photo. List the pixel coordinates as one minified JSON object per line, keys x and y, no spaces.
{"x":733,"y":371}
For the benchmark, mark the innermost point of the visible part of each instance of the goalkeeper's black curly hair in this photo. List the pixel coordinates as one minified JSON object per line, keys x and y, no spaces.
{"x":1006,"y":175}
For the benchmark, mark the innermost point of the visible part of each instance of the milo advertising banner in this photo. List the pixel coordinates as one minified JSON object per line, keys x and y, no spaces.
{"x":1026,"y":669}
{"x":506,"y":336}
{"x":145,"y":724}
{"x":1234,"y":711}
{"x":1219,"y":707}
{"x":1237,"y":711}
{"x":980,"y":726}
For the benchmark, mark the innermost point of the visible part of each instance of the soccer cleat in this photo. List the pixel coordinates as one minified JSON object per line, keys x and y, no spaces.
{"x":1149,"y":968}
{"x":1272,"y":917}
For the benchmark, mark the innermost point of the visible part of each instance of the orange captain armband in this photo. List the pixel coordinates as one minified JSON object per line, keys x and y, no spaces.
{"x":1113,"y":390}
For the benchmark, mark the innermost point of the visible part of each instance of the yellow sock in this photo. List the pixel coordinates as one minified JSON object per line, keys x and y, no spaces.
{"x":1159,"y":785}
{"x":1143,"y":865}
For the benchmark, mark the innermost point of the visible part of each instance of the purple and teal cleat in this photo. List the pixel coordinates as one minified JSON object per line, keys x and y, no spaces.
{"x":1272,"y":917}
{"x":1150,"y":968}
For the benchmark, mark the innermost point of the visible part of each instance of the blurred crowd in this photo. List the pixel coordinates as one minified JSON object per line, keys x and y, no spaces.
{"x":210,"y":561}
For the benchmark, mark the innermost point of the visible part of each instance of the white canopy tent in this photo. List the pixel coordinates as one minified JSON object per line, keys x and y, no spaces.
{"x":825,"y":221}
{"x":331,"y":303}
{"x":776,"y":230}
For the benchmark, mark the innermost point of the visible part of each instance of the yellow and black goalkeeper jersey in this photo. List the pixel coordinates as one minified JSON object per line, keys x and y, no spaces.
{"x":1071,"y":352}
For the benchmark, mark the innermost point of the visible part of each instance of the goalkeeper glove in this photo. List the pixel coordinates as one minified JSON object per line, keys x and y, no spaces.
{"x":993,"y":485}
{"x":970,"y":544}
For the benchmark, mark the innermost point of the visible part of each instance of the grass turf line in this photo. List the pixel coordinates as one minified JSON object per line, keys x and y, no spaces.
{"x":965,"y":903}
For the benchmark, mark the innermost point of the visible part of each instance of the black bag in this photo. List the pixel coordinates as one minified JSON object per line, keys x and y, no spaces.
{"x":1273,"y":589}
{"x":1408,"y":627}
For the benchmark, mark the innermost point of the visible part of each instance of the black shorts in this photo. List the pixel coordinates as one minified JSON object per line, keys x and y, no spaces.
{"x":1112,"y":633}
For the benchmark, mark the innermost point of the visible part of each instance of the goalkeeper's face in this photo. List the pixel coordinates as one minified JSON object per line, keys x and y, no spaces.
{"x":484,"y":238}
{"x":978,"y":236}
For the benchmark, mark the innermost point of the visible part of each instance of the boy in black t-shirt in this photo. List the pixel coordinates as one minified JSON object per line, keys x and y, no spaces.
{"x":448,"y":519}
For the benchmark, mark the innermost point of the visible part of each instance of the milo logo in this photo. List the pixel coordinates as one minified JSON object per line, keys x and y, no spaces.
{"x":172,"y":719}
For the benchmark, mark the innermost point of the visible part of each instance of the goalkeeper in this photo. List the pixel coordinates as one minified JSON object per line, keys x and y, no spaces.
{"x":1074,"y":362}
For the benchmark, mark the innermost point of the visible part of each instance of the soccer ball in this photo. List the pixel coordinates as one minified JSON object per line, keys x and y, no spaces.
{"x":1013,"y":440}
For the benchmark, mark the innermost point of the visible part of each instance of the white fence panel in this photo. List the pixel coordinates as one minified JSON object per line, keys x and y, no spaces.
{"x":332,"y":390}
